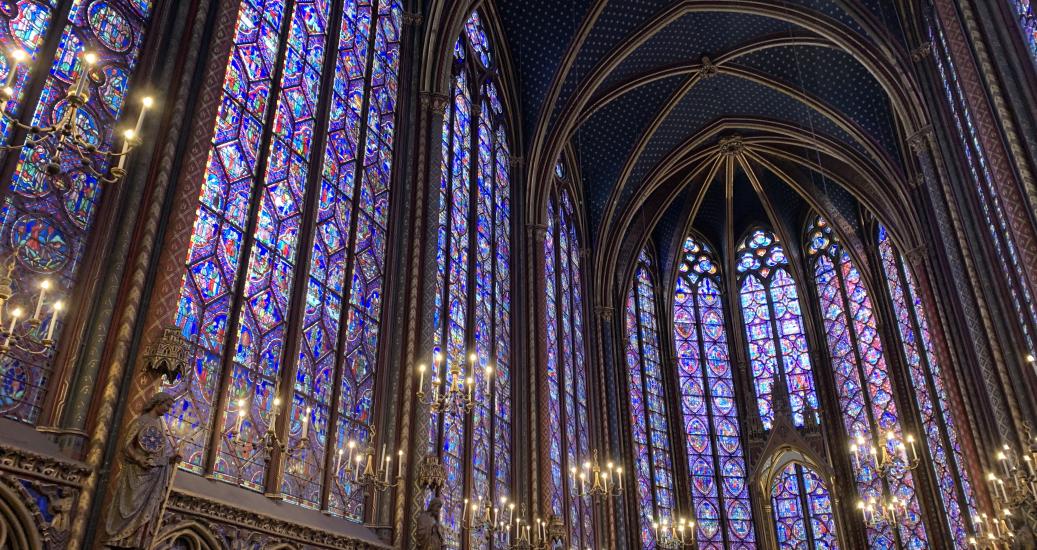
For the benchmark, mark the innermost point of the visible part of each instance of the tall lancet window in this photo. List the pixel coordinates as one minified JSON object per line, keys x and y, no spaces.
{"x":568,"y":431}
{"x":473,"y":282}
{"x":715,"y":458}
{"x":45,"y":222}
{"x":802,"y":509}
{"x":653,"y":456}
{"x":941,"y":433}
{"x":292,"y":223}
{"x":991,"y":203}
{"x":774,"y":326}
{"x":862,"y":383}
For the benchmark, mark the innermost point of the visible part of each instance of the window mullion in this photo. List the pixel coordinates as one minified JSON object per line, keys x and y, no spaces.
{"x":563,"y":305}
{"x":927,"y":368}
{"x":343,"y":327}
{"x":248,"y":240}
{"x":858,"y":361}
{"x":804,"y":501}
{"x":297,"y":300}
{"x":475,"y":113}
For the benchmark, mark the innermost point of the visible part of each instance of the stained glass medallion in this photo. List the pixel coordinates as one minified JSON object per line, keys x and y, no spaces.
{"x":46,"y":227}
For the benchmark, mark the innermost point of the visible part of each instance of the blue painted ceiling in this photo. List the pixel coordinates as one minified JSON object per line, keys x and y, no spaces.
{"x":540,"y":33}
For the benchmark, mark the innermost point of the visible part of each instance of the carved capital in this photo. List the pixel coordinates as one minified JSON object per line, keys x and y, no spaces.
{"x":437,"y":103}
{"x":916,"y":256}
{"x":414,"y":19}
{"x":604,"y":312}
{"x":922,"y":51}
{"x":916,"y":181}
{"x":537,"y":231}
{"x":919,"y":140}
{"x":517,"y":162}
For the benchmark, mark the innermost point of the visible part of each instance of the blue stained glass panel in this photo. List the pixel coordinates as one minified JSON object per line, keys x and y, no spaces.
{"x":45,"y":226}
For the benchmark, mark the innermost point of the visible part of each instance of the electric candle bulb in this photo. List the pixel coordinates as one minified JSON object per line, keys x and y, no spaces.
{"x":145,"y":104}
{"x":17,"y":57}
{"x":58,"y":306}
{"x":128,"y":138}
{"x":421,"y":375}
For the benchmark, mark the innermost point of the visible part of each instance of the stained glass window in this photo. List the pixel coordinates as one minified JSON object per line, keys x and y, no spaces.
{"x":862,"y":382}
{"x":1023,"y":10}
{"x":941,"y":434}
{"x":45,"y":223}
{"x":716,"y":461}
{"x":269,"y":192}
{"x":648,"y":415}
{"x":568,"y":435}
{"x":774,"y":326}
{"x":474,"y":240}
{"x":802,"y":507}
{"x":990,"y":202}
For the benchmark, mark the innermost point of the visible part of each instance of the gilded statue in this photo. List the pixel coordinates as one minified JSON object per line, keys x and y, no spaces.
{"x":428,"y":536}
{"x":141,"y":486}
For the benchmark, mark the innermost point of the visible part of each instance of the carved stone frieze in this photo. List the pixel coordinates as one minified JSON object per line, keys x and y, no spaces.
{"x":232,"y":523}
{"x":21,"y":462}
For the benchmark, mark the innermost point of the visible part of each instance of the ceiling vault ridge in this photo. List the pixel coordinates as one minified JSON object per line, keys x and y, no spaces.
{"x":847,"y":125}
{"x":733,"y":142}
{"x":884,"y":61}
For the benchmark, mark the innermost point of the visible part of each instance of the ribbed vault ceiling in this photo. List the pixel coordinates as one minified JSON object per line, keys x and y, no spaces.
{"x":641,"y":92}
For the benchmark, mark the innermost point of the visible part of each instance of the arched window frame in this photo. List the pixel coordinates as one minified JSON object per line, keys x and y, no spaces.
{"x":803,"y":486}
{"x":702,"y":360}
{"x":863,"y":382}
{"x":349,"y":95}
{"x":567,"y":369}
{"x":774,"y":261}
{"x":946,"y":457}
{"x":475,"y":185}
{"x":47,"y":220}
{"x":652,"y":459}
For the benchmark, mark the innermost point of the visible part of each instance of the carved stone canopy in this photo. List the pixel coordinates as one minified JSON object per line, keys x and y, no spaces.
{"x":168,"y":355}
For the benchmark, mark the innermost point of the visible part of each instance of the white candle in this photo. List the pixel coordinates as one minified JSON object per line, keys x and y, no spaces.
{"x":338,"y":461}
{"x":127,"y":140}
{"x":421,"y":378}
{"x":14,"y":320}
{"x":58,"y":306}
{"x":399,"y":465}
{"x":356,"y":471}
{"x":145,"y":104}
{"x":306,"y":423}
{"x":464,"y":510}
{"x":237,"y":429}
{"x":619,"y":473}
{"x":18,"y":55}
{"x":88,"y":59}
{"x":44,"y":287}
{"x":352,"y":445}
{"x":1003,"y":459}
{"x":388,"y":459}
{"x":274,"y":412}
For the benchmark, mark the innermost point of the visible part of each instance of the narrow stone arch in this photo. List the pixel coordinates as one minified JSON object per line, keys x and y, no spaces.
{"x":187,"y":535}
{"x":22,"y":526}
